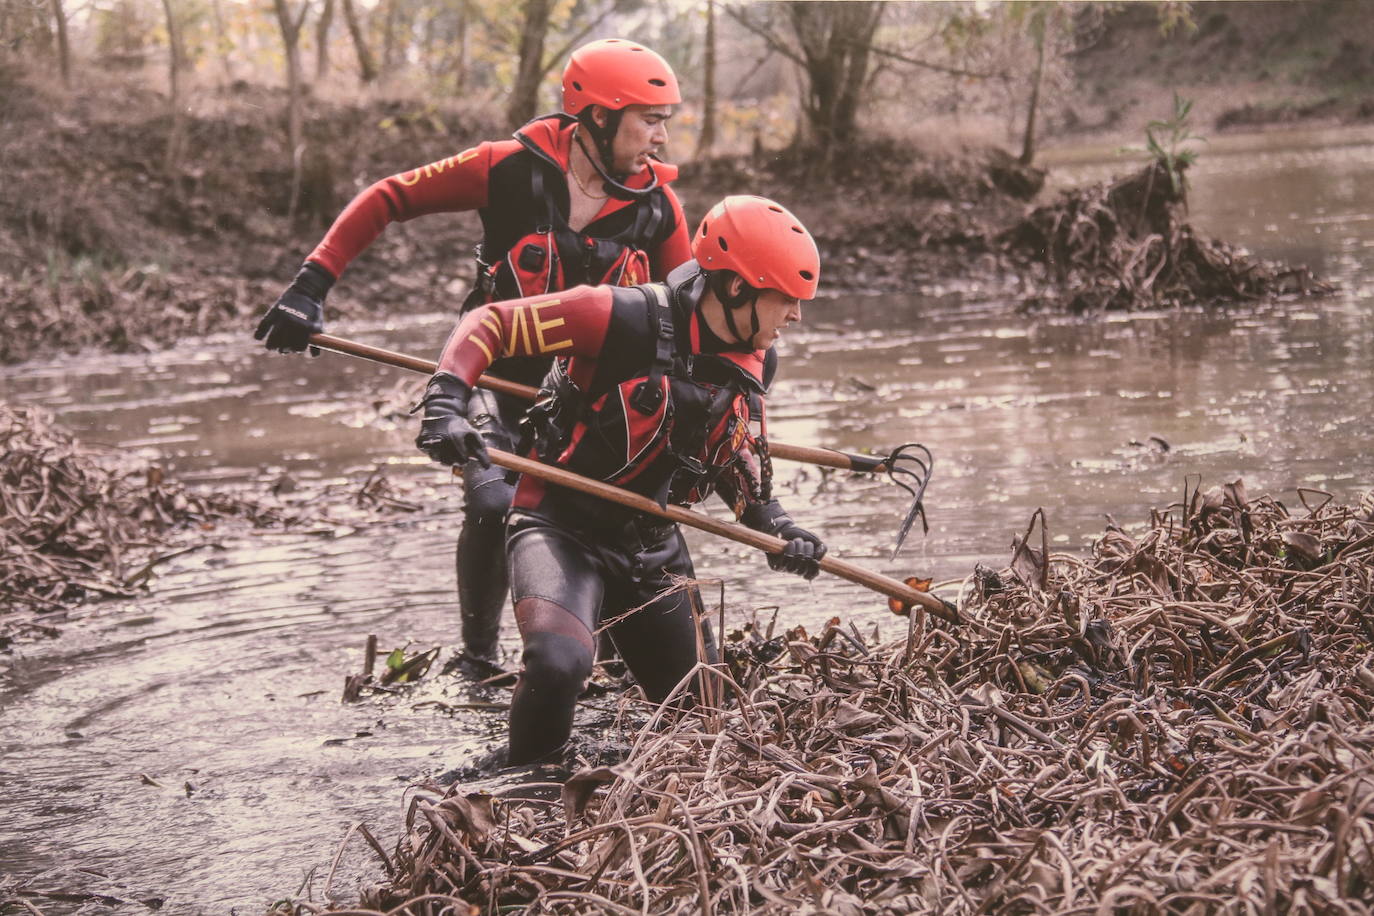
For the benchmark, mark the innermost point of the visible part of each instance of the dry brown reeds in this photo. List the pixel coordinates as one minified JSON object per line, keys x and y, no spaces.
{"x":78,"y":522}
{"x":1126,"y":245}
{"x":1180,"y":722}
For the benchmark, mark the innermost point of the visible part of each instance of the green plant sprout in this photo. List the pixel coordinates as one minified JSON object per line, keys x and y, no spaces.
{"x":1164,"y":139}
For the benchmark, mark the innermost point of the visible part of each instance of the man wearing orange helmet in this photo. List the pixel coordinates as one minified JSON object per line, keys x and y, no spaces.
{"x":661,"y":393}
{"x":575,"y":198}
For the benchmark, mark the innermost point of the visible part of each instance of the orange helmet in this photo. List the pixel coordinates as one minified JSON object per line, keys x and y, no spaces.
{"x":614,"y":73}
{"x":762,"y":242}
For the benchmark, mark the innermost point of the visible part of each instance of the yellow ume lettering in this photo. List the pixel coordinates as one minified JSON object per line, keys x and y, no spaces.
{"x":541,"y":325}
{"x":519,"y":328}
{"x":434,"y":168}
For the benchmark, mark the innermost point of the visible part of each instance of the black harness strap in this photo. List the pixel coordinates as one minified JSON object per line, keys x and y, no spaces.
{"x":595,"y":258}
{"x":648,"y":394}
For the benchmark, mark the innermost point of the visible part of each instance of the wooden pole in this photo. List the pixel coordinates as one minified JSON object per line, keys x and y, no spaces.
{"x":824,"y":457}
{"x":730,"y":530}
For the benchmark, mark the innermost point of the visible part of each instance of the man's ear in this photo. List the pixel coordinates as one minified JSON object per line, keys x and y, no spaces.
{"x":599,"y":115}
{"x":736,"y":285}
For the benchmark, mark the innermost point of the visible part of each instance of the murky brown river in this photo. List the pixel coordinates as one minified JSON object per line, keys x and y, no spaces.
{"x":190,"y":747}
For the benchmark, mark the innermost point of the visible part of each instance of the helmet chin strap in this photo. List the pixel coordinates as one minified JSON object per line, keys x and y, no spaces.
{"x":604,"y":139}
{"x":747,"y":295}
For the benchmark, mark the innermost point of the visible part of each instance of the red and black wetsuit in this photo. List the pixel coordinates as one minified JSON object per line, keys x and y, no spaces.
{"x":519,"y":188}
{"x":576,"y":561}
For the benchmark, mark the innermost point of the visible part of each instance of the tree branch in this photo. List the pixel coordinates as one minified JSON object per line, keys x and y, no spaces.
{"x":577,"y":39}
{"x":940,"y":68}
{"x":768,"y":37}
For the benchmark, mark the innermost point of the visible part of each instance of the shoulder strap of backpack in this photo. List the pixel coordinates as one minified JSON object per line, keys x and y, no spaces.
{"x":648,"y":394}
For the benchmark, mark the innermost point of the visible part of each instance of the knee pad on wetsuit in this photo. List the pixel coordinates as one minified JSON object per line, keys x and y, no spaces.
{"x":556,"y":665}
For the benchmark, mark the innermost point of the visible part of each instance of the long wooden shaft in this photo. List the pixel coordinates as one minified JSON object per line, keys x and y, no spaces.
{"x":825,"y":457}
{"x":735,"y":532}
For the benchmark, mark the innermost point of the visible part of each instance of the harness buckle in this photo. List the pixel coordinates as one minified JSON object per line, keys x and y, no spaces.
{"x":647,"y":397}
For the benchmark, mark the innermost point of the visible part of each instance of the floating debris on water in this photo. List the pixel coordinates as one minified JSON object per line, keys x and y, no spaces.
{"x":80,"y":523}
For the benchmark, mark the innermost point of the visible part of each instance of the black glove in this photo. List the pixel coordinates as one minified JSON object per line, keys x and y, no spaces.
{"x":446,"y":436}
{"x":298,"y":313}
{"x":804,"y":550}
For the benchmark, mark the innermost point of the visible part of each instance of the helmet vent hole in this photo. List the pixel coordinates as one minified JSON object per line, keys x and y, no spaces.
{"x":724,"y":245}
{"x":774,"y":208}
{"x":657,"y":82}
{"x":798,"y":230}
{"x":577,"y":85}
{"x":703,"y":229}
{"x":807,"y":275}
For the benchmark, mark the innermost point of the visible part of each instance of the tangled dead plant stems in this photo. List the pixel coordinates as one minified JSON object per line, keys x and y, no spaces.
{"x":1180,"y":722}
{"x":1126,"y":245}
{"x":77,"y":522}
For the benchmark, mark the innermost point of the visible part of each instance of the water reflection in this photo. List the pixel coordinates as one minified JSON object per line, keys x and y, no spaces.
{"x":221,"y":688}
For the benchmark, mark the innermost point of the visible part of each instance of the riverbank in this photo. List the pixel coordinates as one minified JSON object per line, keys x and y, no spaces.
{"x":141,"y":252}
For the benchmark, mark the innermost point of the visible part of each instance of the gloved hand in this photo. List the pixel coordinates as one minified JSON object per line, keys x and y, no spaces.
{"x":298,"y":313}
{"x":804,"y":550}
{"x":446,"y":436}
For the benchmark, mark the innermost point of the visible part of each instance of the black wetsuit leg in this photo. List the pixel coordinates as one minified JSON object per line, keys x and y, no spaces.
{"x":659,"y":641}
{"x":557,"y":587}
{"x":481,"y":557}
{"x":565,"y":584}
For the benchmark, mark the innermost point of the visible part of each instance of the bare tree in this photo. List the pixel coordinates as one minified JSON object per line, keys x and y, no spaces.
{"x":395,"y":10}
{"x":707,"y":138}
{"x":367,"y":67}
{"x":64,"y":49}
{"x":1037,"y":26}
{"x":176,"y":57}
{"x":322,"y":26}
{"x":524,"y":97}
{"x":291,"y":24}
{"x":222,"y":43}
{"x":832,"y":42}
{"x":534,"y":65}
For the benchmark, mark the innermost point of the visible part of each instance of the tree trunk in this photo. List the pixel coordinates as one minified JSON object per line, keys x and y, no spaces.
{"x":524,"y":100}
{"x":460,"y":66}
{"x":1038,"y":27}
{"x":64,"y":49}
{"x":322,"y":27}
{"x":174,"y":54}
{"x":393,"y":11}
{"x":707,"y":138}
{"x":835,"y":38}
{"x":222,"y":42}
{"x":295,"y":134}
{"x":367,"y":68}
{"x":175,"y":61}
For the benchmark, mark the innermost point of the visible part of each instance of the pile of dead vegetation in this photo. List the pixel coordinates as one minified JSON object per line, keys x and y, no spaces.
{"x":1179,"y":722}
{"x":135,"y":309}
{"x":78,"y":523}
{"x":1125,"y":245}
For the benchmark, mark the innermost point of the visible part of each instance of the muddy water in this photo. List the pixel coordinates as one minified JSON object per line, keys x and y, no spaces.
{"x":190,"y":746}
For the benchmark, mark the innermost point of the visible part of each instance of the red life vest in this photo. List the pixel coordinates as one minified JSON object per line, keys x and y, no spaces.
{"x":669,"y":433}
{"x":552,"y":256}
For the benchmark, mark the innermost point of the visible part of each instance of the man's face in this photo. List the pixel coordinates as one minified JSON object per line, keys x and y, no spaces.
{"x":776,"y":310}
{"x":643,"y":129}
